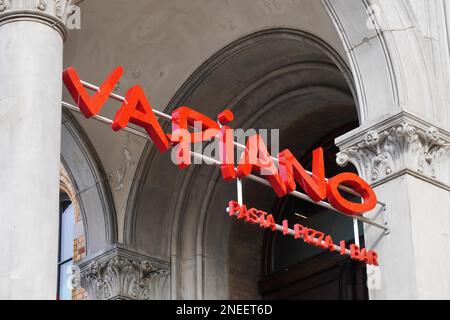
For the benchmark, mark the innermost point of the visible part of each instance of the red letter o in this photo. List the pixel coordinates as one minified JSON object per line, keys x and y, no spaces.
{"x":356,"y":183}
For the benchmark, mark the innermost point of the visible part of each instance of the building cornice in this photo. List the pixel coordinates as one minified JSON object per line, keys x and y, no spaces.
{"x":53,"y":13}
{"x":400,"y":143}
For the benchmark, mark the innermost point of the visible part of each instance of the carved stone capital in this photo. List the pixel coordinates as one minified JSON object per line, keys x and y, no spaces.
{"x":54,"y":13}
{"x":120,"y":273}
{"x":401,"y":143}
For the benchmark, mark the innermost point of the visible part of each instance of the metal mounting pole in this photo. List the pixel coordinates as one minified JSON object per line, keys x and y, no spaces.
{"x":240,"y":196}
{"x":356,"y":231}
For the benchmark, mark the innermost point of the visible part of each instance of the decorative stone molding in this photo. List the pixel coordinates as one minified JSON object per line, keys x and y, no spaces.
{"x":399,"y":143}
{"x":66,"y":186}
{"x":121,"y":273}
{"x":54,"y":13}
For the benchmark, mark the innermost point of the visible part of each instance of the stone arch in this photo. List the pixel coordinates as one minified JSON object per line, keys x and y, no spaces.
{"x":179,"y":215}
{"x":187,"y":199}
{"x":66,"y":186}
{"x":90,"y":185}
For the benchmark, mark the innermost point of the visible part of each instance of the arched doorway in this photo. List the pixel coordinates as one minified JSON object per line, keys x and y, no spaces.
{"x":274,"y":79}
{"x":292,"y":269}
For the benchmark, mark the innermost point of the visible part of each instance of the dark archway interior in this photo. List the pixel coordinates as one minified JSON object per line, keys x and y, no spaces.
{"x":275,"y":79}
{"x":293,"y":269}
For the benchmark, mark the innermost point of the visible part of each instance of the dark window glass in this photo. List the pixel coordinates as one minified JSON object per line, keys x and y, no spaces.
{"x":66,"y":242}
{"x":287,"y":251}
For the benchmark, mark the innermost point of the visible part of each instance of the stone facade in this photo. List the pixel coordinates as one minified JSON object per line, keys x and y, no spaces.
{"x":33,"y":34}
{"x":392,"y":60}
{"x":146,"y":230}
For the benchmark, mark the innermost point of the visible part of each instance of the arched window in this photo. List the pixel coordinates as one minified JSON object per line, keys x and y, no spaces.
{"x":65,"y":256}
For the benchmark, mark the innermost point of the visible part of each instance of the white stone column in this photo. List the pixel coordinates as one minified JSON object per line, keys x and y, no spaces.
{"x":31,"y":49}
{"x":406,"y":159}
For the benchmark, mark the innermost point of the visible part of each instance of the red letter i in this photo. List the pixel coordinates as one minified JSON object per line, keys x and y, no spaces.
{"x":343,"y":250}
{"x":285,"y":227}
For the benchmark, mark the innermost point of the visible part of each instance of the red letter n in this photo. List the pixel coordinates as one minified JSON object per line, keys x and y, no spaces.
{"x":256,"y":157}
{"x":315,"y":186}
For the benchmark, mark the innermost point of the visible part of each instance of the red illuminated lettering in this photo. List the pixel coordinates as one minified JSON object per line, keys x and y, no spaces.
{"x":256,"y":158}
{"x":137,"y":110}
{"x":356,"y":183}
{"x":310,"y":236}
{"x":88,"y":105}
{"x":314,"y":185}
{"x":226,"y":152}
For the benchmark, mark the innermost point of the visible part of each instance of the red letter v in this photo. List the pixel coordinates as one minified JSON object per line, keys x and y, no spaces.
{"x":88,"y":105}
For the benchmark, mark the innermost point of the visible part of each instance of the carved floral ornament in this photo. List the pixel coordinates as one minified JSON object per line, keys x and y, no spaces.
{"x":404,"y":145}
{"x":4,"y":5}
{"x":123,"y":277}
{"x":61,"y":9}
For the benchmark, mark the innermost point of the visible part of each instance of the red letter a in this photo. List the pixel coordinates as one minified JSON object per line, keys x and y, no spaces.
{"x":137,"y":110}
{"x":88,"y":105}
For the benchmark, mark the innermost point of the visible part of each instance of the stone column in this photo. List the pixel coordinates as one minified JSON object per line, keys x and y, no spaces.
{"x":32,"y":33}
{"x":406,"y":159}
